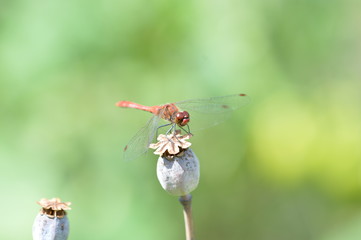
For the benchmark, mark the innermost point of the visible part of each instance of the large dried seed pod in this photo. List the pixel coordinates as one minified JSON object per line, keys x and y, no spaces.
{"x":46,"y":228}
{"x":51,"y":223}
{"x":180,"y":175}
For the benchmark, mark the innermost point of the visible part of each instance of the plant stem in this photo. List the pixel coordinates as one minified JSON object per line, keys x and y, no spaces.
{"x":186,"y":202}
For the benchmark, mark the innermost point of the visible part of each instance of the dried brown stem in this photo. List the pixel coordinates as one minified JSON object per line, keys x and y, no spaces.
{"x":186,"y":202}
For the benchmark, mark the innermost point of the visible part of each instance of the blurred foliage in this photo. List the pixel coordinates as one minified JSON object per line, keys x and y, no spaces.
{"x":286,"y":166}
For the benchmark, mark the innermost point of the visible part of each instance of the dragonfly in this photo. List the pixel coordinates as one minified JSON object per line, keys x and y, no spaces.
{"x":203,"y":112}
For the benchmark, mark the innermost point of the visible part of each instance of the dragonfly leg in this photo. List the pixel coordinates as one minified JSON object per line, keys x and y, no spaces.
{"x":169,"y":130}
{"x":175,"y":132}
{"x":163,"y":126}
{"x":189,"y":131}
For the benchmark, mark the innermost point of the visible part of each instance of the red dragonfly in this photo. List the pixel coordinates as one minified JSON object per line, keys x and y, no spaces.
{"x":205,"y":113}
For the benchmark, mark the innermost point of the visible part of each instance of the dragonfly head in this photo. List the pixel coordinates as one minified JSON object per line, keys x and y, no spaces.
{"x":182,"y":118}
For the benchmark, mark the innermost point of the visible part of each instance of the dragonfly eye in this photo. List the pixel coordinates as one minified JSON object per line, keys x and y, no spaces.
{"x":182,"y":118}
{"x":180,"y":115}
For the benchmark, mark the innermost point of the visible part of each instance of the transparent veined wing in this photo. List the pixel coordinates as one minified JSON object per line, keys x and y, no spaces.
{"x":139,"y":143}
{"x":208,"y":112}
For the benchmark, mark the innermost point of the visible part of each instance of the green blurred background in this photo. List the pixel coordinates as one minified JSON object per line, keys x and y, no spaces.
{"x":286,"y":166}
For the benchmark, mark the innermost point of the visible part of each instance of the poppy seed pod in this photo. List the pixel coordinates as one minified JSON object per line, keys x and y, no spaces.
{"x":51,"y":223}
{"x":180,"y":175}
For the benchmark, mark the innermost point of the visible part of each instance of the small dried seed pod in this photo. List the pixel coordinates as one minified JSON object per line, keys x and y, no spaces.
{"x":179,"y":176}
{"x":51,"y":223}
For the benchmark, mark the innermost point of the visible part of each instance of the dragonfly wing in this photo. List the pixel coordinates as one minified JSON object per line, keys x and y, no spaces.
{"x":139,"y":144}
{"x":208,"y":112}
